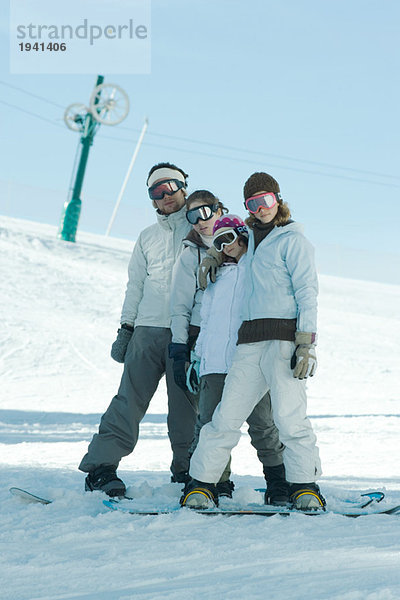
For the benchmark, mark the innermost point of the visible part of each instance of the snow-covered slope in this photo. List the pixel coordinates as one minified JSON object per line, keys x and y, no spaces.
{"x":60,"y":305}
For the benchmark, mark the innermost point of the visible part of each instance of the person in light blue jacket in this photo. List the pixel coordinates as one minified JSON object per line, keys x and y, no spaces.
{"x":276,"y":352}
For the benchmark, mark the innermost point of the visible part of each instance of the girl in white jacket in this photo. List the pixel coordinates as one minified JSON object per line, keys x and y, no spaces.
{"x":276,"y":351}
{"x":216,"y":345}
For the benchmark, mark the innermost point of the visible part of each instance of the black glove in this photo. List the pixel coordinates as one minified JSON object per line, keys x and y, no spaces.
{"x":180,"y":354}
{"x":118,"y":349}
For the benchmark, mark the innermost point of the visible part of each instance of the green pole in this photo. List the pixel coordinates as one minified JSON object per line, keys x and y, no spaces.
{"x":72,"y":206}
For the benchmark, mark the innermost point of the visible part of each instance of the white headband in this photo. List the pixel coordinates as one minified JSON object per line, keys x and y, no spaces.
{"x":165,"y":173}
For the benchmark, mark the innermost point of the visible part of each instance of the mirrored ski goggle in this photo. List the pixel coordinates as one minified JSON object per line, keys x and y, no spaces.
{"x":201,"y":213}
{"x":225,"y":238}
{"x":267,"y":200}
{"x":169,"y":187}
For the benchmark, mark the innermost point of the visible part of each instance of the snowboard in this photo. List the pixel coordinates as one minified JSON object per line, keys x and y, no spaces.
{"x":358,"y":508}
{"x":365,"y":499}
{"x":369,"y":505}
{"x":28,"y":496}
{"x":32,"y":498}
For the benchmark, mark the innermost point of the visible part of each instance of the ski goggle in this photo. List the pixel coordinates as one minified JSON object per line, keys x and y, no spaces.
{"x":225,"y":238}
{"x":267,"y":200}
{"x":169,"y":187}
{"x":201,"y":213}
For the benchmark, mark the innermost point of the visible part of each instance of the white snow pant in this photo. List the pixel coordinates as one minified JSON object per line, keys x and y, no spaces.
{"x":258,"y":367}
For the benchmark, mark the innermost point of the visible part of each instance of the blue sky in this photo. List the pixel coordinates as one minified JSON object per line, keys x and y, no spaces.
{"x":307,"y":91}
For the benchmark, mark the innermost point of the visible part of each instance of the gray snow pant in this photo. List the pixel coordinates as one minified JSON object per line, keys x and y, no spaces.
{"x":146,"y":361}
{"x":263,"y":433}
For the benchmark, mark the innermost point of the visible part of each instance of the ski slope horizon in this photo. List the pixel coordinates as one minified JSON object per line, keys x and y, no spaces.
{"x":61,"y":305}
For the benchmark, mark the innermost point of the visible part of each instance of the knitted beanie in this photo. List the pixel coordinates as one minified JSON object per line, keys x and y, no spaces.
{"x":260,"y":182}
{"x":233,"y":222}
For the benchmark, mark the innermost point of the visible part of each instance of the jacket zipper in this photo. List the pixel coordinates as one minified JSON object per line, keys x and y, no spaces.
{"x":230,"y":319}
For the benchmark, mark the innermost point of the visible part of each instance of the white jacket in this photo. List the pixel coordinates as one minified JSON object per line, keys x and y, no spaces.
{"x":186,"y":296}
{"x":147,"y":294}
{"x":282,"y":279}
{"x":220,"y":318}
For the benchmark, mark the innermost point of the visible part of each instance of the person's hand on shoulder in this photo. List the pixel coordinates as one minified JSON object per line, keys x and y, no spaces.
{"x":209,"y":266}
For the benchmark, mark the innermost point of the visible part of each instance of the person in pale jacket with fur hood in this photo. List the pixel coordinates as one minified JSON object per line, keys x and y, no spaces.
{"x":276,"y":352}
{"x":142,"y":343}
{"x":203,"y":209}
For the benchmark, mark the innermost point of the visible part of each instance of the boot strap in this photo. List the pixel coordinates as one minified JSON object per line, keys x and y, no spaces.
{"x":306,"y":492}
{"x":204,"y":491}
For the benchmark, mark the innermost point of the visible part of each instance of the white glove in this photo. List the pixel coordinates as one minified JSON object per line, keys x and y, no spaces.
{"x":305,"y":356}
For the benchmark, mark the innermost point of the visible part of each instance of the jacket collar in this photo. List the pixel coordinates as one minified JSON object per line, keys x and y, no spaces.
{"x":173,"y":220}
{"x":194,"y":239}
{"x":291,"y":226}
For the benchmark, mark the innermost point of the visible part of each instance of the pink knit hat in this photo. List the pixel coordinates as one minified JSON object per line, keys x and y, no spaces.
{"x":232,"y":221}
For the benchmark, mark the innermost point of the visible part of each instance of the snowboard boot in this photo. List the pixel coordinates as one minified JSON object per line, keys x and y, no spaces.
{"x":200,"y":495}
{"x":181,"y":477}
{"x":105,"y":479}
{"x":277,"y":492}
{"x":225,"y":488}
{"x":306,"y":496}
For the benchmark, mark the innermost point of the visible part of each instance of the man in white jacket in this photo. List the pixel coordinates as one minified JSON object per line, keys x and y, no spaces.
{"x":142,"y":343}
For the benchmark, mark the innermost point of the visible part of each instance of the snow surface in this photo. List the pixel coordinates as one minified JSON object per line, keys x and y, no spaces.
{"x":60,"y":305}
